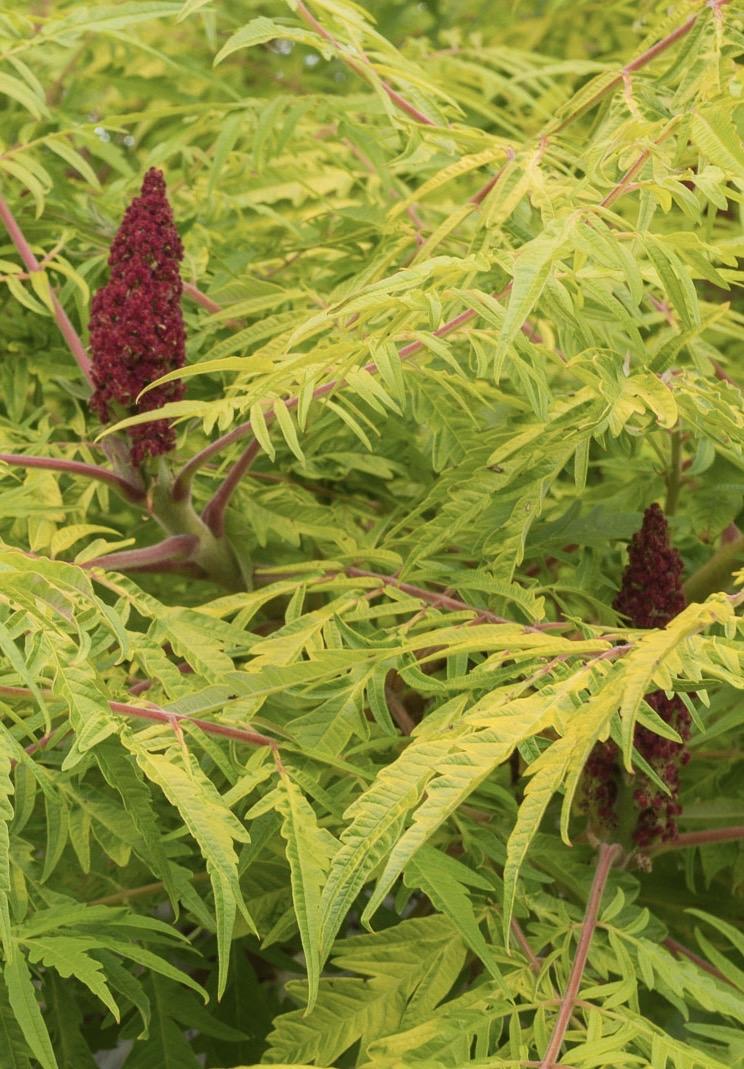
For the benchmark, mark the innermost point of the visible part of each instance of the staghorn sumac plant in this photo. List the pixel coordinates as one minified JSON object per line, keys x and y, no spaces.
{"x":370,"y":535}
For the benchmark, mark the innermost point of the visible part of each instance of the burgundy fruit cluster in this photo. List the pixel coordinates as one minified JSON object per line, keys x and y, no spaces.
{"x":136,"y":326}
{"x":650,"y":596}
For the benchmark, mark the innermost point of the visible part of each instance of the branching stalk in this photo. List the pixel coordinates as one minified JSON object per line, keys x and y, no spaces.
{"x":607,"y":855}
{"x":214,"y":513}
{"x":182,"y":484}
{"x":129,"y":490}
{"x":702,"y":838}
{"x":681,"y":951}
{"x":362,"y":66}
{"x":164,"y":716}
{"x":177,"y":548}
{"x":66,"y":328}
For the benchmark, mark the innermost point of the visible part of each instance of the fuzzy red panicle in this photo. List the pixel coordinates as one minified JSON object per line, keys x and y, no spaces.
{"x":136,"y":326}
{"x":650,"y":595}
{"x":651,"y":591}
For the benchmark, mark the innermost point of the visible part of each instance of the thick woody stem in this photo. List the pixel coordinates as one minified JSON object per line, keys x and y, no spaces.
{"x":607,"y":855}
{"x":32,"y":264}
{"x":214,"y":512}
{"x":130,"y":491}
{"x":177,"y":548}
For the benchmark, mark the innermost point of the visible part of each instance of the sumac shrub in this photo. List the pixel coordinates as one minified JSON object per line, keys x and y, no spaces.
{"x":370,"y":506}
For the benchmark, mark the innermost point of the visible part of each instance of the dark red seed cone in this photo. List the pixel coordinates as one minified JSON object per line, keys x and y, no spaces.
{"x":136,"y":326}
{"x":651,"y":595}
{"x":651,"y":591}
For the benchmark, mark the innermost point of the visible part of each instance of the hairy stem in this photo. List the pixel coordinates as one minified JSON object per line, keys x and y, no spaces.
{"x":129,"y":490}
{"x":715,"y":574}
{"x":607,"y":855}
{"x":66,"y":328}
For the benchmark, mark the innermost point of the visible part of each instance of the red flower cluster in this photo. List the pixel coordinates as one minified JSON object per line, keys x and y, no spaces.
{"x":650,"y":596}
{"x":136,"y":326}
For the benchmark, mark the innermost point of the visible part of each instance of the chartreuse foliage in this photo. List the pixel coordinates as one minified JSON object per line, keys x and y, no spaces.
{"x":302,"y":785}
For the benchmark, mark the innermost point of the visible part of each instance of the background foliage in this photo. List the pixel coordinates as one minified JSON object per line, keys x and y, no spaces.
{"x":471,"y":272}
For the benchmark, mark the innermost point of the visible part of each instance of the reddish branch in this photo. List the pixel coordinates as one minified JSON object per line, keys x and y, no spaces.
{"x":164,"y":716}
{"x":76,"y":467}
{"x":214,"y":513}
{"x":177,"y":548}
{"x":529,"y":953}
{"x":362,"y":66}
{"x":216,"y":508}
{"x":66,"y":328}
{"x":444,"y":601}
{"x":641,"y":61}
{"x":196,"y":295}
{"x":681,"y":951}
{"x":607,"y":855}
{"x":702,"y":838}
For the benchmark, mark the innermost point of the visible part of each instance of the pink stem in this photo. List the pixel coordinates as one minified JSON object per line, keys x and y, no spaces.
{"x":700,"y":838}
{"x":214,"y":512}
{"x":77,"y":467}
{"x":529,"y":953}
{"x":634,"y":65}
{"x":66,"y":328}
{"x":359,"y":68}
{"x":175,"y":548}
{"x":442,"y":600}
{"x":681,"y":951}
{"x":196,"y":295}
{"x":163,"y":716}
{"x":622,"y":186}
{"x":608,"y":854}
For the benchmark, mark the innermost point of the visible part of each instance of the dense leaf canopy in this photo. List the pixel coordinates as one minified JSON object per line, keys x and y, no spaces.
{"x":295,"y":717}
